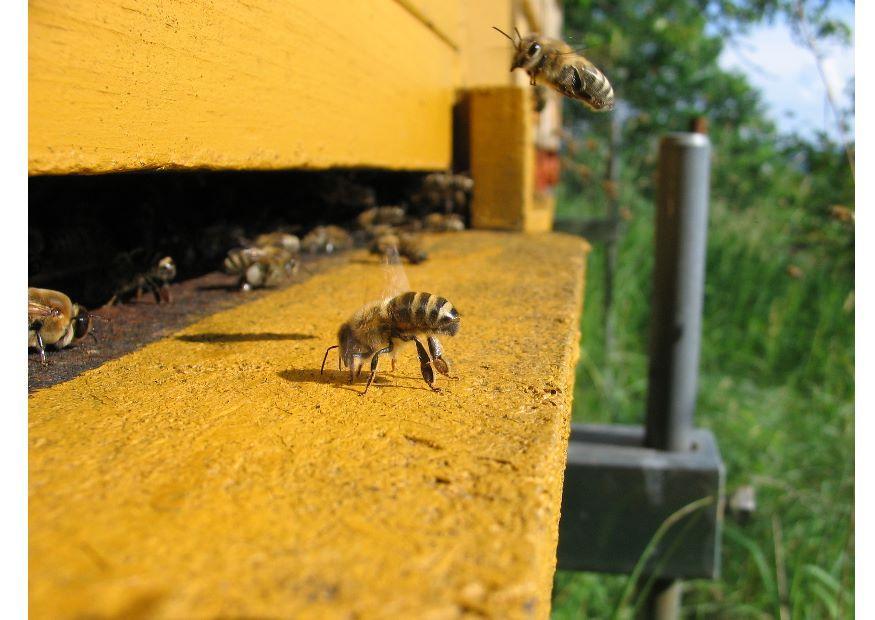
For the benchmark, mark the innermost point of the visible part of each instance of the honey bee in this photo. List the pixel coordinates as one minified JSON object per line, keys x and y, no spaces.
{"x":260,"y":266}
{"x":406,"y":244}
{"x":381,"y":216}
{"x":155,"y":280}
{"x":326,"y":239}
{"x":54,"y":320}
{"x":444,"y":192}
{"x":379,"y":328}
{"x":283,"y":240}
{"x":438,"y":222}
{"x":555,"y":64}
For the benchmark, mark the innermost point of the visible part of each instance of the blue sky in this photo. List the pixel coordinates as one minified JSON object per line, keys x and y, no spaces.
{"x":787,"y":75}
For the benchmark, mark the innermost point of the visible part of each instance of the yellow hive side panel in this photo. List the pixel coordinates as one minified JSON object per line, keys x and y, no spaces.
{"x":443,"y":17}
{"x":486,"y":54}
{"x":261,"y":85}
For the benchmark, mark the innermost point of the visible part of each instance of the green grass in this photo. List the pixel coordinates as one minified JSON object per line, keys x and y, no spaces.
{"x":777,"y":389}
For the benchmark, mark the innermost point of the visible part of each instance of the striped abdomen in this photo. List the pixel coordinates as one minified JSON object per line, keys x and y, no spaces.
{"x":594,"y":88}
{"x":239,"y":260}
{"x":423,"y":312}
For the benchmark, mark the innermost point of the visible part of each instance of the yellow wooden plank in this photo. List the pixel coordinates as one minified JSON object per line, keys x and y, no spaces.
{"x":442,"y":16}
{"x":486,"y":55}
{"x":225,"y":478}
{"x":133,"y":84}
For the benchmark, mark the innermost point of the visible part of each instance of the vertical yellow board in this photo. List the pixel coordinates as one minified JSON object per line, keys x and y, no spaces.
{"x":146,"y":84}
{"x":502,"y":158}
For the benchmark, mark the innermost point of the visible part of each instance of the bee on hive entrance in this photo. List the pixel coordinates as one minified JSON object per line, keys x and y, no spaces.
{"x":54,"y":320}
{"x":555,"y":64}
{"x":259,"y":267}
{"x":380,"y":327}
{"x":156,"y":280}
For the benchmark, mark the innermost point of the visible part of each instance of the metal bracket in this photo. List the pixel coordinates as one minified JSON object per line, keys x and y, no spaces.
{"x":617,"y":493}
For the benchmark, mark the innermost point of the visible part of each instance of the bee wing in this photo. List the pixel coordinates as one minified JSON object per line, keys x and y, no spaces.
{"x":394,"y":278}
{"x":37,"y":311}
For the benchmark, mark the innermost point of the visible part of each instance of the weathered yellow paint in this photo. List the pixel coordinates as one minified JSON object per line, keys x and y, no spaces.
{"x":442,"y":16}
{"x":486,"y":55}
{"x":503,"y":159}
{"x":133,"y":84}
{"x":206,"y":478}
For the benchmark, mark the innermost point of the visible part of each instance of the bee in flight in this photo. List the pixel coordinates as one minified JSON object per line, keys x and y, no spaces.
{"x":555,"y":64}
{"x":378,"y":328}
{"x":54,"y":320}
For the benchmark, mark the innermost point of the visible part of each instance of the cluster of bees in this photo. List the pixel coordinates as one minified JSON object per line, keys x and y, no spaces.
{"x":377,"y":328}
{"x":55,"y":321}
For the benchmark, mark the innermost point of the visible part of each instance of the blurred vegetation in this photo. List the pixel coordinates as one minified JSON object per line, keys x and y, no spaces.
{"x":777,"y":384}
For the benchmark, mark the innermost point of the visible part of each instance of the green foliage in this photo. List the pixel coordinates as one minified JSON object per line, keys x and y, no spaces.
{"x":777,"y":384}
{"x":777,"y":390}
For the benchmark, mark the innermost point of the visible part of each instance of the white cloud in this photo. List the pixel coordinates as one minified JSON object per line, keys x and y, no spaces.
{"x":787,"y":76}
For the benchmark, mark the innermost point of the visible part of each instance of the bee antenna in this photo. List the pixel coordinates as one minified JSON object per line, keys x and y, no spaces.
{"x":505,"y":34}
{"x":517,"y":31}
{"x":334,"y":346}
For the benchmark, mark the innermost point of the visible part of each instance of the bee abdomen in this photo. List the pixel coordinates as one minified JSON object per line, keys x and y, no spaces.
{"x":424,"y":312}
{"x":600,"y":90}
{"x":237,"y":261}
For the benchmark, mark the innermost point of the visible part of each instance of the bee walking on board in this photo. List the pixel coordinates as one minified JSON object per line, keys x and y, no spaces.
{"x":156,"y":280}
{"x":54,"y":320}
{"x":555,"y":64}
{"x":259,"y":267}
{"x":378,"y":328}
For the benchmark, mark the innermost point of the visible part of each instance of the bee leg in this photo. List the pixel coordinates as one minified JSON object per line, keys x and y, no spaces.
{"x":42,"y":349}
{"x":153,"y":287}
{"x":374,"y":361}
{"x":437,"y":356}
{"x":358,"y":369}
{"x":425,"y":364}
{"x":327,"y":351}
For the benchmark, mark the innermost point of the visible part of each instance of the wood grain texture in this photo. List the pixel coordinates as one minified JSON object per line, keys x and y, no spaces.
{"x":139,"y":84}
{"x":210,"y":475}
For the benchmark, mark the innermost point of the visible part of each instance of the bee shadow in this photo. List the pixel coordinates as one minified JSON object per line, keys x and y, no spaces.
{"x":340,"y":379}
{"x":218,"y":338}
{"x":230,"y":288}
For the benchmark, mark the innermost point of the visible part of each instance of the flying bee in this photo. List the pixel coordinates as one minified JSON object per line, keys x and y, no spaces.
{"x":54,"y":320}
{"x":260,"y":266}
{"x":555,"y":64}
{"x":156,"y":280}
{"x":326,"y":239}
{"x":283,"y":240}
{"x":378,"y":328}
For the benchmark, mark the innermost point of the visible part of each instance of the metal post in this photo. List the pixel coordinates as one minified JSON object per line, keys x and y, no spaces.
{"x":678,"y":289}
{"x":612,"y":191}
{"x":676,"y":319}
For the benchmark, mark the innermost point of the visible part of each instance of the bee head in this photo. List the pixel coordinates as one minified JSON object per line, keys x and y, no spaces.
{"x":81,"y":322}
{"x":351,"y":348}
{"x":528,"y":53}
{"x":166,"y":269}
